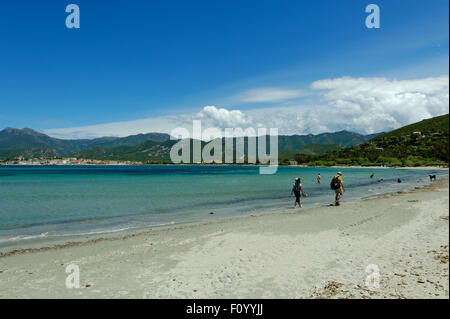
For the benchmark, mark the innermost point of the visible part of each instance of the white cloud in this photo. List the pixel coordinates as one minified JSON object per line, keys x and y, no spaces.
{"x":262,"y":95}
{"x":364,"y":105}
{"x":211,"y":116}
{"x":377,"y":104}
{"x":162,"y":124}
{"x":222,"y":118}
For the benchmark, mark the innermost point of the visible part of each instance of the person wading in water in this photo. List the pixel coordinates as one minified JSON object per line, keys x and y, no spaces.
{"x":297,"y":189}
{"x":337,"y":184}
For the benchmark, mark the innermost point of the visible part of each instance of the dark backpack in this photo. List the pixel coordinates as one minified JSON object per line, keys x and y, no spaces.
{"x":335,"y":183}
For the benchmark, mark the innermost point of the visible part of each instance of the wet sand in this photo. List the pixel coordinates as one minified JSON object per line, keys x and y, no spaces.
{"x":320,"y":252}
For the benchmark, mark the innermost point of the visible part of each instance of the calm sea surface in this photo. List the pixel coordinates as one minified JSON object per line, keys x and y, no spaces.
{"x":43,"y":201}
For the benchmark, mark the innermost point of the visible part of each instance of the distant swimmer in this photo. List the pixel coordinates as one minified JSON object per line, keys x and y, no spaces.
{"x":399,"y":180}
{"x":337,"y":184}
{"x":319,"y":178}
{"x":372,"y":175}
{"x":297,"y":189}
{"x":381,"y":180}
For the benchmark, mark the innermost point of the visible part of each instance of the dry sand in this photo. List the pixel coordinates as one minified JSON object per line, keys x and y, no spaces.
{"x":304,"y":253}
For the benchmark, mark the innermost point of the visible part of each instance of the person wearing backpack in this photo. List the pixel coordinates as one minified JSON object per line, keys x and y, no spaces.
{"x":297,"y":189}
{"x":337,"y":184}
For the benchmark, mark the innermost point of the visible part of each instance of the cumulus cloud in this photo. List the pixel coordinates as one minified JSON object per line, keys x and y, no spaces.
{"x":262,"y":95}
{"x":363,"y":105}
{"x":211,"y":116}
{"x":377,"y":104}
{"x":297,"y":119}
{"x":222,"y":118}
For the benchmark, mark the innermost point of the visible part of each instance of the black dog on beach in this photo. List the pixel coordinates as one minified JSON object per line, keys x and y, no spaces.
{"x":432,"y":177}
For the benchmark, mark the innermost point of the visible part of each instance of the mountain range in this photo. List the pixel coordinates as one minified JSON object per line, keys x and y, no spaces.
{"x":418,"y":144}
{"x":23,"y":139}
{"x":29,"y":143}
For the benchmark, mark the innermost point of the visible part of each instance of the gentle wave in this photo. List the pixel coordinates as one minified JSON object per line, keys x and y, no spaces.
{"x":23,"y":237}
{"x":107,"y":231}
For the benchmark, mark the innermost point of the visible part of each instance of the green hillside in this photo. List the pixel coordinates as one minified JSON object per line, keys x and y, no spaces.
{"x":419,"y":144}
{"x":426,"y":127}
{"x":342,"y":138}
{"x":153,"y":152}
{"x":28,"y":153}
{"x":150,"y":151}
{"x":284,"y":157}
{"x":319,"y":149}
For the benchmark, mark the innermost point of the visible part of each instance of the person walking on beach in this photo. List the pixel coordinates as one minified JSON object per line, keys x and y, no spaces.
{"x":337,"y":184}
{"x":297,"y":189}
{"x":319,"y":178}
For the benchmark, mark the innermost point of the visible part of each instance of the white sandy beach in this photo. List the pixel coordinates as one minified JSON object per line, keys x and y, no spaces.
{"x":304,"y":253}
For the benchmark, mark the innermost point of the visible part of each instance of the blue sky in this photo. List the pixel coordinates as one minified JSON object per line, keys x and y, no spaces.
{"x":145,"y":59}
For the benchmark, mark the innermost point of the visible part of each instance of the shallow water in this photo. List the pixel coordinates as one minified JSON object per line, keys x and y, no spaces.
{"x":43,"y":201}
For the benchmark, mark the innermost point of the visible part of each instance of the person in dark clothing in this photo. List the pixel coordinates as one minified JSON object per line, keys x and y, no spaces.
{"x":297,"y":190}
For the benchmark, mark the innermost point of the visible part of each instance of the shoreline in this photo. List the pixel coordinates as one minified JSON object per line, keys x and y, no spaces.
{"x":68,"y":241}
{"x":319,"y":252}
{"x":233,"y":165}
{"x":439,"y":168}
{"x":76,"y":240}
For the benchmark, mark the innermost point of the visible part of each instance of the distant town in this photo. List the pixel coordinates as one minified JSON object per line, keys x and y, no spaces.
{"x":66,"y":161}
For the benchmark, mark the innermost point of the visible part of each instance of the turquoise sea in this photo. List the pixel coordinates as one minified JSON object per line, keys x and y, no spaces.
{"x":45,"y":201}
